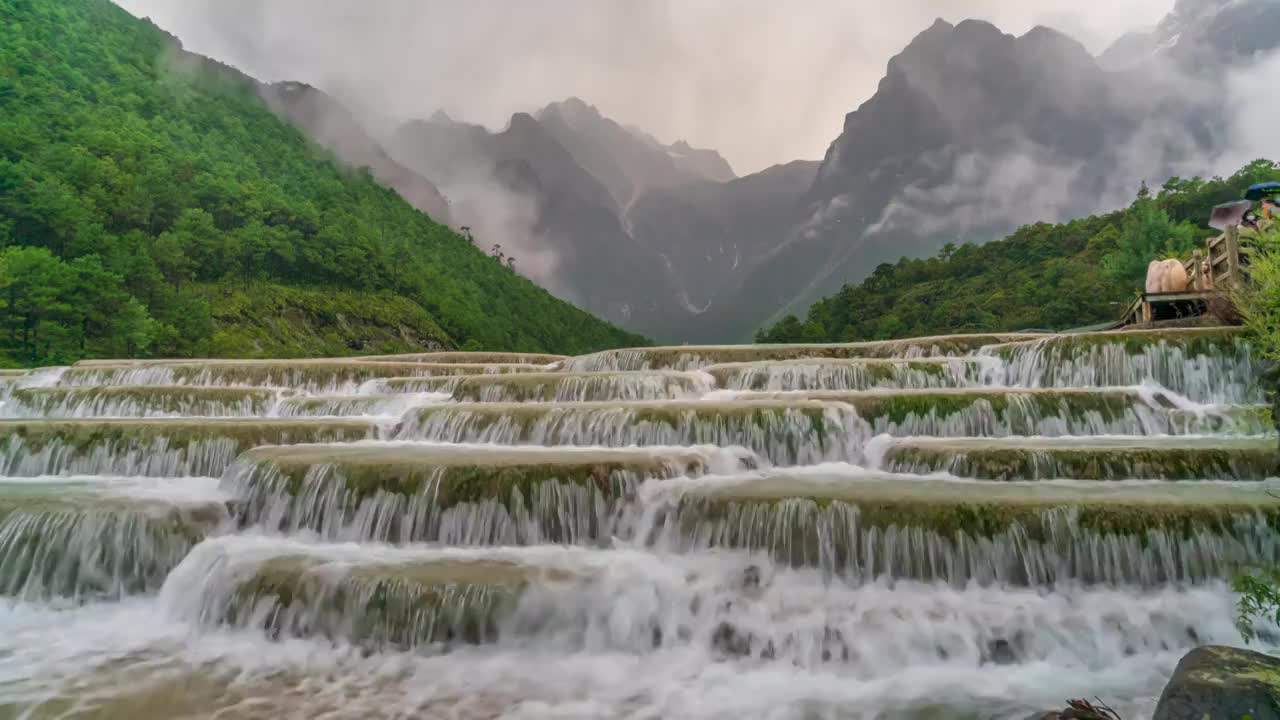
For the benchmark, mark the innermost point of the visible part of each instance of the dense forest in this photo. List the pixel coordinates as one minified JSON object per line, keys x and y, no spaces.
{"x":151,"y":205}
{"x":1043,"y":277}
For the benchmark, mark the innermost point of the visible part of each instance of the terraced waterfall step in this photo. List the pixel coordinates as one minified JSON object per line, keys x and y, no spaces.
{"x":866,"y":524}
{"x":1002,"y":411}
{"x":694,"y":357}
{"x":788,"y":431}
{"x":583,"y":387}
{"x":387,"y":405}
{"x":858,"y":374}
{"x":470,"y":358}
{"x":968,"y":526}
{"x":456,"y":494}
{"x":312,"y":375}
{"x":94,"y":537}
{"x":435,"y":600}
{"x":169,"y":447}
{"x":1205,"y":364}
{"x":445,"y":384}
{"x":386,"y":598}
{"x":138,"y":401}
{"x":1103,"y":458}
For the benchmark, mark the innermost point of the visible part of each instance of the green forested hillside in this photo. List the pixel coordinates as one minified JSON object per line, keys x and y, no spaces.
{"x":1041,"y":277}
{"x":150,"y":204}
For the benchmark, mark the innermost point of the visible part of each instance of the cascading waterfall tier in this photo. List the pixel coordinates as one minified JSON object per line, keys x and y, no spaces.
{"x":138,"y":401}
{"x":785,"y":432}
{"x":456,"y":494}
{"x":965,"y":526}
{"x":1206,"y":365}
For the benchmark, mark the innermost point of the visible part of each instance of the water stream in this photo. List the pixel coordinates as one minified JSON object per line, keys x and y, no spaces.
{"x":967,"y":527}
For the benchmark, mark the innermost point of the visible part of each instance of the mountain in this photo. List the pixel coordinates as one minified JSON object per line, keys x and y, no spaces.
{"x":330,"y":125}
{"x":557,"y":189}
{"x":973,"y":132}
{"x":152,"y":204}
{"x":708,"y":232}
{"x":628,"y":162}
{"x":522,"y":189}
{"x":1200,"y":35}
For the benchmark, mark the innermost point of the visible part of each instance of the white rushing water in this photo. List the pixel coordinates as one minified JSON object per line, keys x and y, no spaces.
{"x":971,"y":527}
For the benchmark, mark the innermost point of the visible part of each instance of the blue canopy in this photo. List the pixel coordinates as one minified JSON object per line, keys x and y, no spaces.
{"x":1262,"y":190}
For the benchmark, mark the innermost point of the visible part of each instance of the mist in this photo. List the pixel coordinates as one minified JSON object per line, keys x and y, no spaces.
{"x":760,"y":81}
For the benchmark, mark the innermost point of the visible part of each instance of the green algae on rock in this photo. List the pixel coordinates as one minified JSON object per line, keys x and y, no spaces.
{"x":1222,"y":682}
{"x":784,"y":431}
{"x":170,"y":447}
{"x":1078,"y":458}
{"x":692,"y":357}
{"x":581,"y":387}
{"x":141,"y":401}
{"x":415,"y":492}
{"x":469,"y":358}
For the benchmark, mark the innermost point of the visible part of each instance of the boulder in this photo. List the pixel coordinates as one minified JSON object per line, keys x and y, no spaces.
{"x":1222,"y":683}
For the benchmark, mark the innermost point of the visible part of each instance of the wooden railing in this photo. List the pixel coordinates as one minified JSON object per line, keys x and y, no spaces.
{"x":1222,"y":269}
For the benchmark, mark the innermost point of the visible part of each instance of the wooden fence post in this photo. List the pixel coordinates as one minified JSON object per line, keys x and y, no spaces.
{"x":1233,"y":253}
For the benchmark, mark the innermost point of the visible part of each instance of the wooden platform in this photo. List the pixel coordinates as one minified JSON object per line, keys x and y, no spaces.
{"x":1211,"y":275}
{"x":1158,"y":307}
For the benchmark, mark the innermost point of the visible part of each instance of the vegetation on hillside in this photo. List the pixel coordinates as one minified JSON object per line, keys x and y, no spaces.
{"x":1259,"y":304}
{"x":1042,"y":277}
{"x":151,"y":205}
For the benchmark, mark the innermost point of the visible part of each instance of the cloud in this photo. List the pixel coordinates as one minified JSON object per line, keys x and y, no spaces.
{"x":984,"y":194}
{"x":498,"y":216}
{"x":1252,"y":109}
{"x":763,"y":82}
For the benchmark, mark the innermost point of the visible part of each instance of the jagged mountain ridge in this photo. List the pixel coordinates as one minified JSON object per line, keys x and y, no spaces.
{"x":971,"y":133}
{"x":582,"y":174}
{"x":1201,"y":32}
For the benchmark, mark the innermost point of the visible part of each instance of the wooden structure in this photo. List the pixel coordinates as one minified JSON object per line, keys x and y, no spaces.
{"x":1208,"y":276}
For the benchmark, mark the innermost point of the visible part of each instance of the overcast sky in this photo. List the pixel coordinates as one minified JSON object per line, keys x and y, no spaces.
{"x":761,"y":81}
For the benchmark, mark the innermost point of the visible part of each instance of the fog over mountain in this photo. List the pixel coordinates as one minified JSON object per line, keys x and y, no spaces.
{"x":658,"y":163}
{"x":762,"y":82}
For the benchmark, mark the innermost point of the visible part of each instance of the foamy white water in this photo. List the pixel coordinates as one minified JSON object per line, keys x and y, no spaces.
{"x":970,"y":527}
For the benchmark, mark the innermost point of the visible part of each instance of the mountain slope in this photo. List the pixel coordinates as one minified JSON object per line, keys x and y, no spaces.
{"x":524,"y":189}
{"x":1042,"y":277}
{"x":643,"y":233}
{"x":328,"y":124}
{"x":709,"y":232}
{"x":627,"y":162}
{"x":138,"y":182}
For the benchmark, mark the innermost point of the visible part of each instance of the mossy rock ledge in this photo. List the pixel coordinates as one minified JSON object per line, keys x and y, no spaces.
{"x":1222,"y":683}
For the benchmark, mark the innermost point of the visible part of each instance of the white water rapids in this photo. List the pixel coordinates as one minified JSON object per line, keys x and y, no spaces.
{"x":973,"y":527}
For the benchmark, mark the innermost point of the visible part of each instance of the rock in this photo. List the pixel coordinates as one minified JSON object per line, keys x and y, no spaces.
{"x":1222,"y":683}
{"x":1001,"y":652}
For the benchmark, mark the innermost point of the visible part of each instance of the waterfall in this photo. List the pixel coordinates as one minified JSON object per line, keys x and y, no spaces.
{"x":966,"y":526}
